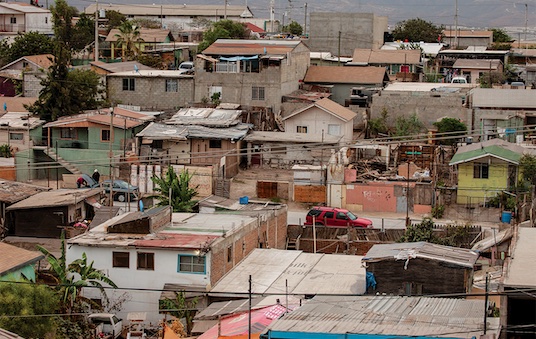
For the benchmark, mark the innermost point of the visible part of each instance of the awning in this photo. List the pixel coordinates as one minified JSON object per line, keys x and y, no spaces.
{"x":239,"y":58}
{"x":207,"y":58}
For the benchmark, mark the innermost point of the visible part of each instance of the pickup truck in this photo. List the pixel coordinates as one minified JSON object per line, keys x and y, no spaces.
{"x":108,"y":325}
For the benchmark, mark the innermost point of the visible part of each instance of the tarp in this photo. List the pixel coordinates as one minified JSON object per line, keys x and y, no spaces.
{"x":239,"y":58}
{"x":237,"y":325}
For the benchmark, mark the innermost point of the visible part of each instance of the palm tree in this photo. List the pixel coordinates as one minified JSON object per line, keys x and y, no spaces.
{"x":175,"y":187}
{"x":70,"y":279}
{"x":128,"y":36}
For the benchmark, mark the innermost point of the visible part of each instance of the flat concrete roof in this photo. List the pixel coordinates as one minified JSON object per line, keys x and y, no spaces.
{"x":519,"y":272}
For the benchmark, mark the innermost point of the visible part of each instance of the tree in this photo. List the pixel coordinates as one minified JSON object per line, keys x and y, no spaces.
{"x":18,"y":300}
{"x":127,"y":38}
{"x":62,"y":18}
{"x":115,"y":19}
{"x":379,"y":125}
{"x":176,"y":187}
{"x":500,"y":35}
{"x":83,"y":32}
{"x":293,"y":28}
{"x":223,"y":29}
{"x":488,"y":79}
{"x":180,"y":308}
{"x":147,"y":23}
{"x":405,"y":126}
{"x":416,"y":30}
{"x":527,"y":163}
{"x":30,"y":43}
{"x":447,"y":125}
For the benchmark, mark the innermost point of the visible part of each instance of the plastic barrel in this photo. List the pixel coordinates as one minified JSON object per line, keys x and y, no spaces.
{"x":244,"y":200}
{"x":506,"y":217}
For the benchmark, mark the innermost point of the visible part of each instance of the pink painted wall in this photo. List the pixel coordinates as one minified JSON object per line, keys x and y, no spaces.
{"x":377,"y":197}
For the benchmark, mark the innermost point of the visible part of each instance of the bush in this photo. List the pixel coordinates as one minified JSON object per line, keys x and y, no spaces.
{"x":438,"y":211}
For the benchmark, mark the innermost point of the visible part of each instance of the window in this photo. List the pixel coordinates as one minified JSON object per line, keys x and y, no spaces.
{"x":105,"y":135}
{"x":481,"y":171}
{"x":191,"y":264}
{"x":68,"y":133}
{"x":257,"y":93}
{"x":46,"y":20}
{"x":230,"y":253}
{"x":13,"y":20}
{"x":329,"y":215}
{"x":334,"y":129}
{"x":341,"y":216}
{"x":145,"y":261}
{"x":172,"y":85}
{"x":16,"y":136}
{"x":301,"y":129}
{"x":214,"y":143}
{"x":121,"y":259}
{"x":129,"y":84}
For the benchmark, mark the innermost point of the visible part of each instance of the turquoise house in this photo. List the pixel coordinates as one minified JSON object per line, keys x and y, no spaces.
{"x":17,"y":264}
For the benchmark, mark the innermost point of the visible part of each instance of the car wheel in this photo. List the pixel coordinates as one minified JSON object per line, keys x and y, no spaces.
{"x":121,"y":198}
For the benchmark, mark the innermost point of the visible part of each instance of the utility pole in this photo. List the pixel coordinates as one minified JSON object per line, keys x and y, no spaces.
{"x":272,"y":15}
{"x":486,"y":307}
{"x":526,"y":23}
{"x":111,"y":154}
{"x":249,"y":313}
{"x":225,"y":10}
{"x":305,"y":21}
{"x":339,"y":52}
{"x":96,"y":30}
{"x":456,"y":26}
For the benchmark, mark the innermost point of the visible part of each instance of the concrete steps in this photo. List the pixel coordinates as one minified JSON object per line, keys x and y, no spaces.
{"x":68,"y":166}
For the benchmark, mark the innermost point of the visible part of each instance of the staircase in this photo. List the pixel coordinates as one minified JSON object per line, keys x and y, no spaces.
{"x":67,"y":165}
{"x":222,"y":188}
{"x":279,"y":122}
{"x":293,"y":244}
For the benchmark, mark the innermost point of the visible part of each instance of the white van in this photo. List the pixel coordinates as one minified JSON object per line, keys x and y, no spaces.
{"x":458,"y":80}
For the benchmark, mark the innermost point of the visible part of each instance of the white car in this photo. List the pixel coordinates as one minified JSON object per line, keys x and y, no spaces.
{"x":186,"y":67}
{"x":458,"y":80}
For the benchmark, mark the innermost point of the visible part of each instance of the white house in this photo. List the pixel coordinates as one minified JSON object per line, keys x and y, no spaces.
{"x":18,"y":17}
{"x":323,"y":117}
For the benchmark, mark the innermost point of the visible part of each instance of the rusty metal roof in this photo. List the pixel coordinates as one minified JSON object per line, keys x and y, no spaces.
{"x":13,"y":191}
{"x":13,"y":258}
{"x":173,"y":240}
{"x":403,"y":251}
{"x":346,"y":75}
{"x":388,"y":315}
{"x":251,"y":47}
{"x":61,"y":197}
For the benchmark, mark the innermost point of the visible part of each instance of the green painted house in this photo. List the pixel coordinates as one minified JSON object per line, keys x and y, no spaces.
{"x":147,"y":40}
{"x":17,"y":264}
{"x":486,"y":169}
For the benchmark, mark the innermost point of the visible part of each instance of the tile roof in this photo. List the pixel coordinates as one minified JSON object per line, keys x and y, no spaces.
{"x":497,"y":148}
{"x":374,"y":56}
{"x":13,"y":258}
{"x":388,"y":316}
{"x":328,"y":106}
{"x":477,"y":64}
{"x":345,"y":75}
{"x":254,"y":28}
{"x":231,"y":47}
{"x":402,"y":251}
{"x":14,"y":191}
{"x":148,"y":35}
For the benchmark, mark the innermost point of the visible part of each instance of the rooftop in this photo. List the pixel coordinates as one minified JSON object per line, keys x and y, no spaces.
{"x":14,"y":258}
{"x":497,"y":148}
{"x":210,"y":117}
{"x":231,"y":47}
{"x":467,"y":33}
{"x":522,"y":257}
{"x":122,"y":118}
{"x":497,"y":98}
{"x":404,"y":251}
{"x":19,"y":120}
{"x":428,"y":48}
{"x":13,"y":191}
{"x":116,"y":67}
{"x":346,"y":75}
{"x":174,"y":10}
{"x":159,"y":131}
{"x":152,"y":73}
{"x":375,"y":56}
{"x":61,"y":197}
{"x":328,"y":106}
{"x":276,"y":271}
{"x":43,"y":61}
{"x":491,"y":65}
{"x":147,"y":35}
{"x":388,"y":316}
{"x":23,"y":7}
{"x":291,"y":137}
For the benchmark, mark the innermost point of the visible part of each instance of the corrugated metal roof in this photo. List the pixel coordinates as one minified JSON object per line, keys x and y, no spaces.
{"x":115,"y":67}
{"x":124,"y":118}
{"x":172,"y":240}
{"x":157,"y":131}
{"x":498,"y":98}
{"x":210,"y":117}
{"x":346,"y":75}
{"x":24,"y":7}
{"x":277,"y":271}
{"x":428,"y":48}
{"x":375,"y":56}
{"x":496,"y":148}
{"x":232,"y":47}
{"x":215,"y":201}
{"x":493,"y":240}
{"x":275,"y":137}
{"x":454,"y":255}
{"x":13,"y":191}
{"x":185,"y":10}
{"x":61,"y":197}
{"x":19,"y":120}
{"x":520,"y":273}
{"x":388,"y":315}
{"x":14,"y":257}
{"x":491,"y":65}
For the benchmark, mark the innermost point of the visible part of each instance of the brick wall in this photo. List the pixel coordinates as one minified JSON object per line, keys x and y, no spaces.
{"x":268,"y":230}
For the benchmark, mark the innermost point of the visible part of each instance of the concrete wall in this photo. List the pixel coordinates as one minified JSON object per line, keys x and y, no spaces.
{"x":40,"y":22}
{"x":358,"y":30}
{"x":429,"y":106}
{"x":202,"y":154}
{"x":475,"y":190}
{"x":150,"y":92}
{"x":317,"y":120}
{"x":469,"y":41}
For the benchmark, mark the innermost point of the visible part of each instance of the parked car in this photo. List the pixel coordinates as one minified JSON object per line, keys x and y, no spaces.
{"x":335,"y":217}
{"x":89,"y":181}
{"x":108,"y":325}
{"x":121,"y":190}
{"x":186,"y":67}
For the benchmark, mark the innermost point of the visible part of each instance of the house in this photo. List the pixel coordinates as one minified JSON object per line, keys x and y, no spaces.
{"x":275,"y":271}
{"x":447,"y":57}
{"x":29,"y":70}
{"x":323,"y":117}
{"x":254,"y":73}
{"x":383,"y":316}
{"x":147,"y":37}
{"x":151,"y":89}
{"x":356,"y":30}
{"x":151,"y":254}
{"x":328,"y":59}
{"x":401,"y":64}
{"x":517,"y":308}
{"x":17,"y":264}
{"x":18,"y":17}
{"x":486,"y":168}
{"x":474,"y":69}
{"x":45,"y":214}
{"x":467,"y":38}
{"x":347,"y":83}
{"x":20,"y":130}
{"x":105,"y":68}
{"x":429,"y":51}
{"x":197,"y":136}
{"x":88,"y":136}
{"x":420,"y":268}
{"x":12,"y":192}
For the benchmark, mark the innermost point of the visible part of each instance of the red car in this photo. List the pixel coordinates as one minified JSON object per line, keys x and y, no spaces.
{"x":335,"y":217}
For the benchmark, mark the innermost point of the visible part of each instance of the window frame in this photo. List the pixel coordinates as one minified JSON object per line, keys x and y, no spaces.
{"x":301,"y":129}
{"x":258,"y":93}
{"x":192,"y":264}
{"x":215,"y":143}
{"x":129,"y":84}
{"x":480,"y":170}
{"x":103,"y":130}
{"x":114,"y":262}
{"x":172,"y":85}
{"x":71,"y":135}
{"x":18,"y":134}
{"x":148,"y":261}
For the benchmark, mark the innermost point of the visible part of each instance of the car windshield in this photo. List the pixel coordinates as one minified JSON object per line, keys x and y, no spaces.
{"x":186,"y":66}
{"x":351,"y":216}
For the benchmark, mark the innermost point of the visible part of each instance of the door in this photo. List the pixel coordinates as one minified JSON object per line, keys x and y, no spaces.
{"x":329,"y":219}
{"x":341,"y":220}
